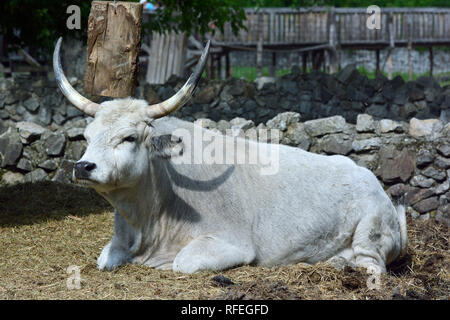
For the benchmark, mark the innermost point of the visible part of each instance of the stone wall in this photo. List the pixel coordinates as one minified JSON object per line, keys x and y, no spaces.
{"x":314,"y":95}
{"x":375,"y":122}
{"x":408,"y":158}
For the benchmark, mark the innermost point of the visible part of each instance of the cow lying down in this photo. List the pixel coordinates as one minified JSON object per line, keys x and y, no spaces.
{"x":191,"y":217}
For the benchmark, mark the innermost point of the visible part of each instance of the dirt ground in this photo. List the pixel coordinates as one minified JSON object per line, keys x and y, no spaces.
{"x":45,"y":228}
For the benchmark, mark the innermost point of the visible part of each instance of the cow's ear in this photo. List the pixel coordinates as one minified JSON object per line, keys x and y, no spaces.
{"x":166,"y":146}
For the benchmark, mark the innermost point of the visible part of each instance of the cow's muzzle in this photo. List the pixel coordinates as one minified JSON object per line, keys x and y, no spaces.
{"x":83,"y":169}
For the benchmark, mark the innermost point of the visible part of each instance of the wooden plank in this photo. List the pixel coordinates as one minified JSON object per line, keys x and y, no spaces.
{"x":114,"y":41}
{"x":172,"y":55}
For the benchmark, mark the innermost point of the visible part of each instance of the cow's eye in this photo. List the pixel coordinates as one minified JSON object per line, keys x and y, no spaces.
{"x":130,"y":139}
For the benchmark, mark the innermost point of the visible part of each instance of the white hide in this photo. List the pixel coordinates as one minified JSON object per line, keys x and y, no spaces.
{"x":190,"y":217}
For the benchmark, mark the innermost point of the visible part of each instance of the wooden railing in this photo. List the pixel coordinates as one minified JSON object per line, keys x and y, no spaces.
{"x":283,"y":26}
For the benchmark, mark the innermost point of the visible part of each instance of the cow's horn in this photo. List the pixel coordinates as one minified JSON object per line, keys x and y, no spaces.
{"x":85,"y":105}
{"x":184,"y":94}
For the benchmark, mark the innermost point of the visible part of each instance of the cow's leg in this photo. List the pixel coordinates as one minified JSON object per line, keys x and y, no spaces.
{"x":345,"y":258}
{"x":117,"y":251}
{"x":372,"y":243}
{"x":210,"y":253}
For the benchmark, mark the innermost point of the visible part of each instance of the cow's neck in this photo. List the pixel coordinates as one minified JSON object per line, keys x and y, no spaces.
{"x":146,"y":206}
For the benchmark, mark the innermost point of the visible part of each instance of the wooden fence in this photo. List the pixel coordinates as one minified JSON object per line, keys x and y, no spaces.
{"x":307,"y":27}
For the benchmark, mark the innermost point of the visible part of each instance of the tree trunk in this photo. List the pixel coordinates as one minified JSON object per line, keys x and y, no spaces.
{"x":114,"y":41}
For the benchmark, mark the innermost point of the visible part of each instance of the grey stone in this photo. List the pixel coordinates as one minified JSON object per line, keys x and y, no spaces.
{"x":289,"y":87}
{"x":366,"y":144}
{"x":414,"y":195}
{"x":320,"y":127}
{"x":4,"y":114}
{"x":48,"y":165}
{"x":421,"y":181}
{"x":378,"y":110}
{"x":347,"y":74}
{"x":36,"y":176}
{"x":241,"y":124}
{"x":45,"y":115}
{"x":54,"y":144}
{"x":25,"y":165}
{"x":400,"y":168}
{"x":387,"y":125}
{"x":424,"y":157}
{"x":444,"y":150}
{"x":10,"y":178}
{"x":58,"y":119}
{"x":335,"y":144}
{"x":414,"y":214}
{"x":425,"y":128}
{"x":10,"y":148}
{"x":427,"y":205}
{"x":443,"y":214}
{"x":3,"y":127}
{"x":205,"y":96}
{"x":297,"y":136}
{"x":32,"y":104}
{"x":431,"y":172}
{"x":75,"y":134}
{"x":442,"y":163}
{"x":283,"y":120}
{"x":29,"y":131}
{"x":369,"y":161}
{"x":73,"y":112}
{"x":365,"y":123}
{"x":442,"y":188}
{"x":223,"y":125}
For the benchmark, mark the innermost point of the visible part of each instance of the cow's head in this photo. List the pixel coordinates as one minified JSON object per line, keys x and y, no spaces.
{"x":121,"y":137}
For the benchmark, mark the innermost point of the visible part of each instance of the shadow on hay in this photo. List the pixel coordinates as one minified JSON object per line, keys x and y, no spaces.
{"x":36,"y":202}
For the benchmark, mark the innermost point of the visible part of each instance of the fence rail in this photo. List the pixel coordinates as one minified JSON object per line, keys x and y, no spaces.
{"x":285,"y":26}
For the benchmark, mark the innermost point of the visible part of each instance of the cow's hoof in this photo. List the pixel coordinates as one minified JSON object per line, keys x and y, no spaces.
{"x":340,"y":263}
{"x":110,"y":259}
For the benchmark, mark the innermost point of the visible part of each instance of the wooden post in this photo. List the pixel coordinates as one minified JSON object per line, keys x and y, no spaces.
{"x":114,"y":41}
{"x":273,"y":67}
{"x":332,"y":42}
{"x":391,"y":45}
{"x":410,"y":65}
{"x":213,"y":70}
{"x":431,"y":60}
{"x":227,"y":64}
{"x":259,"y":48}
{"x":259,"y":56}
{"x":378,"y":60}
{"x":305,"y":62}
{"x":219,"y":66}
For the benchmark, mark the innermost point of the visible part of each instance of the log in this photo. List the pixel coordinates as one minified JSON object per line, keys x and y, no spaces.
{"x":114,"y":41}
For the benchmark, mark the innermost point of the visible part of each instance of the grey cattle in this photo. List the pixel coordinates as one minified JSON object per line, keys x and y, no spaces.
{"x":193,"y":216}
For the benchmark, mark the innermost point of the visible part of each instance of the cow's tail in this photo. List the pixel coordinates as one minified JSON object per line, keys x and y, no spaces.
{"x":401,"y":215}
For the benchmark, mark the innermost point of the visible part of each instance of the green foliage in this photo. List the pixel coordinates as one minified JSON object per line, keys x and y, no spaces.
{"x":36,"y":24}
{"x":197,"y":16}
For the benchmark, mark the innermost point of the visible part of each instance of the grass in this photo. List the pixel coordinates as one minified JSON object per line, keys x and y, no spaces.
{"x":251,"y":73}
{"x":46,"y":227}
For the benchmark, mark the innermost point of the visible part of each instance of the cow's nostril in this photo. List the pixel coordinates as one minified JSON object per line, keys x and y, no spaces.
{"x":89,"y":166}
{"x":83,"y":169}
